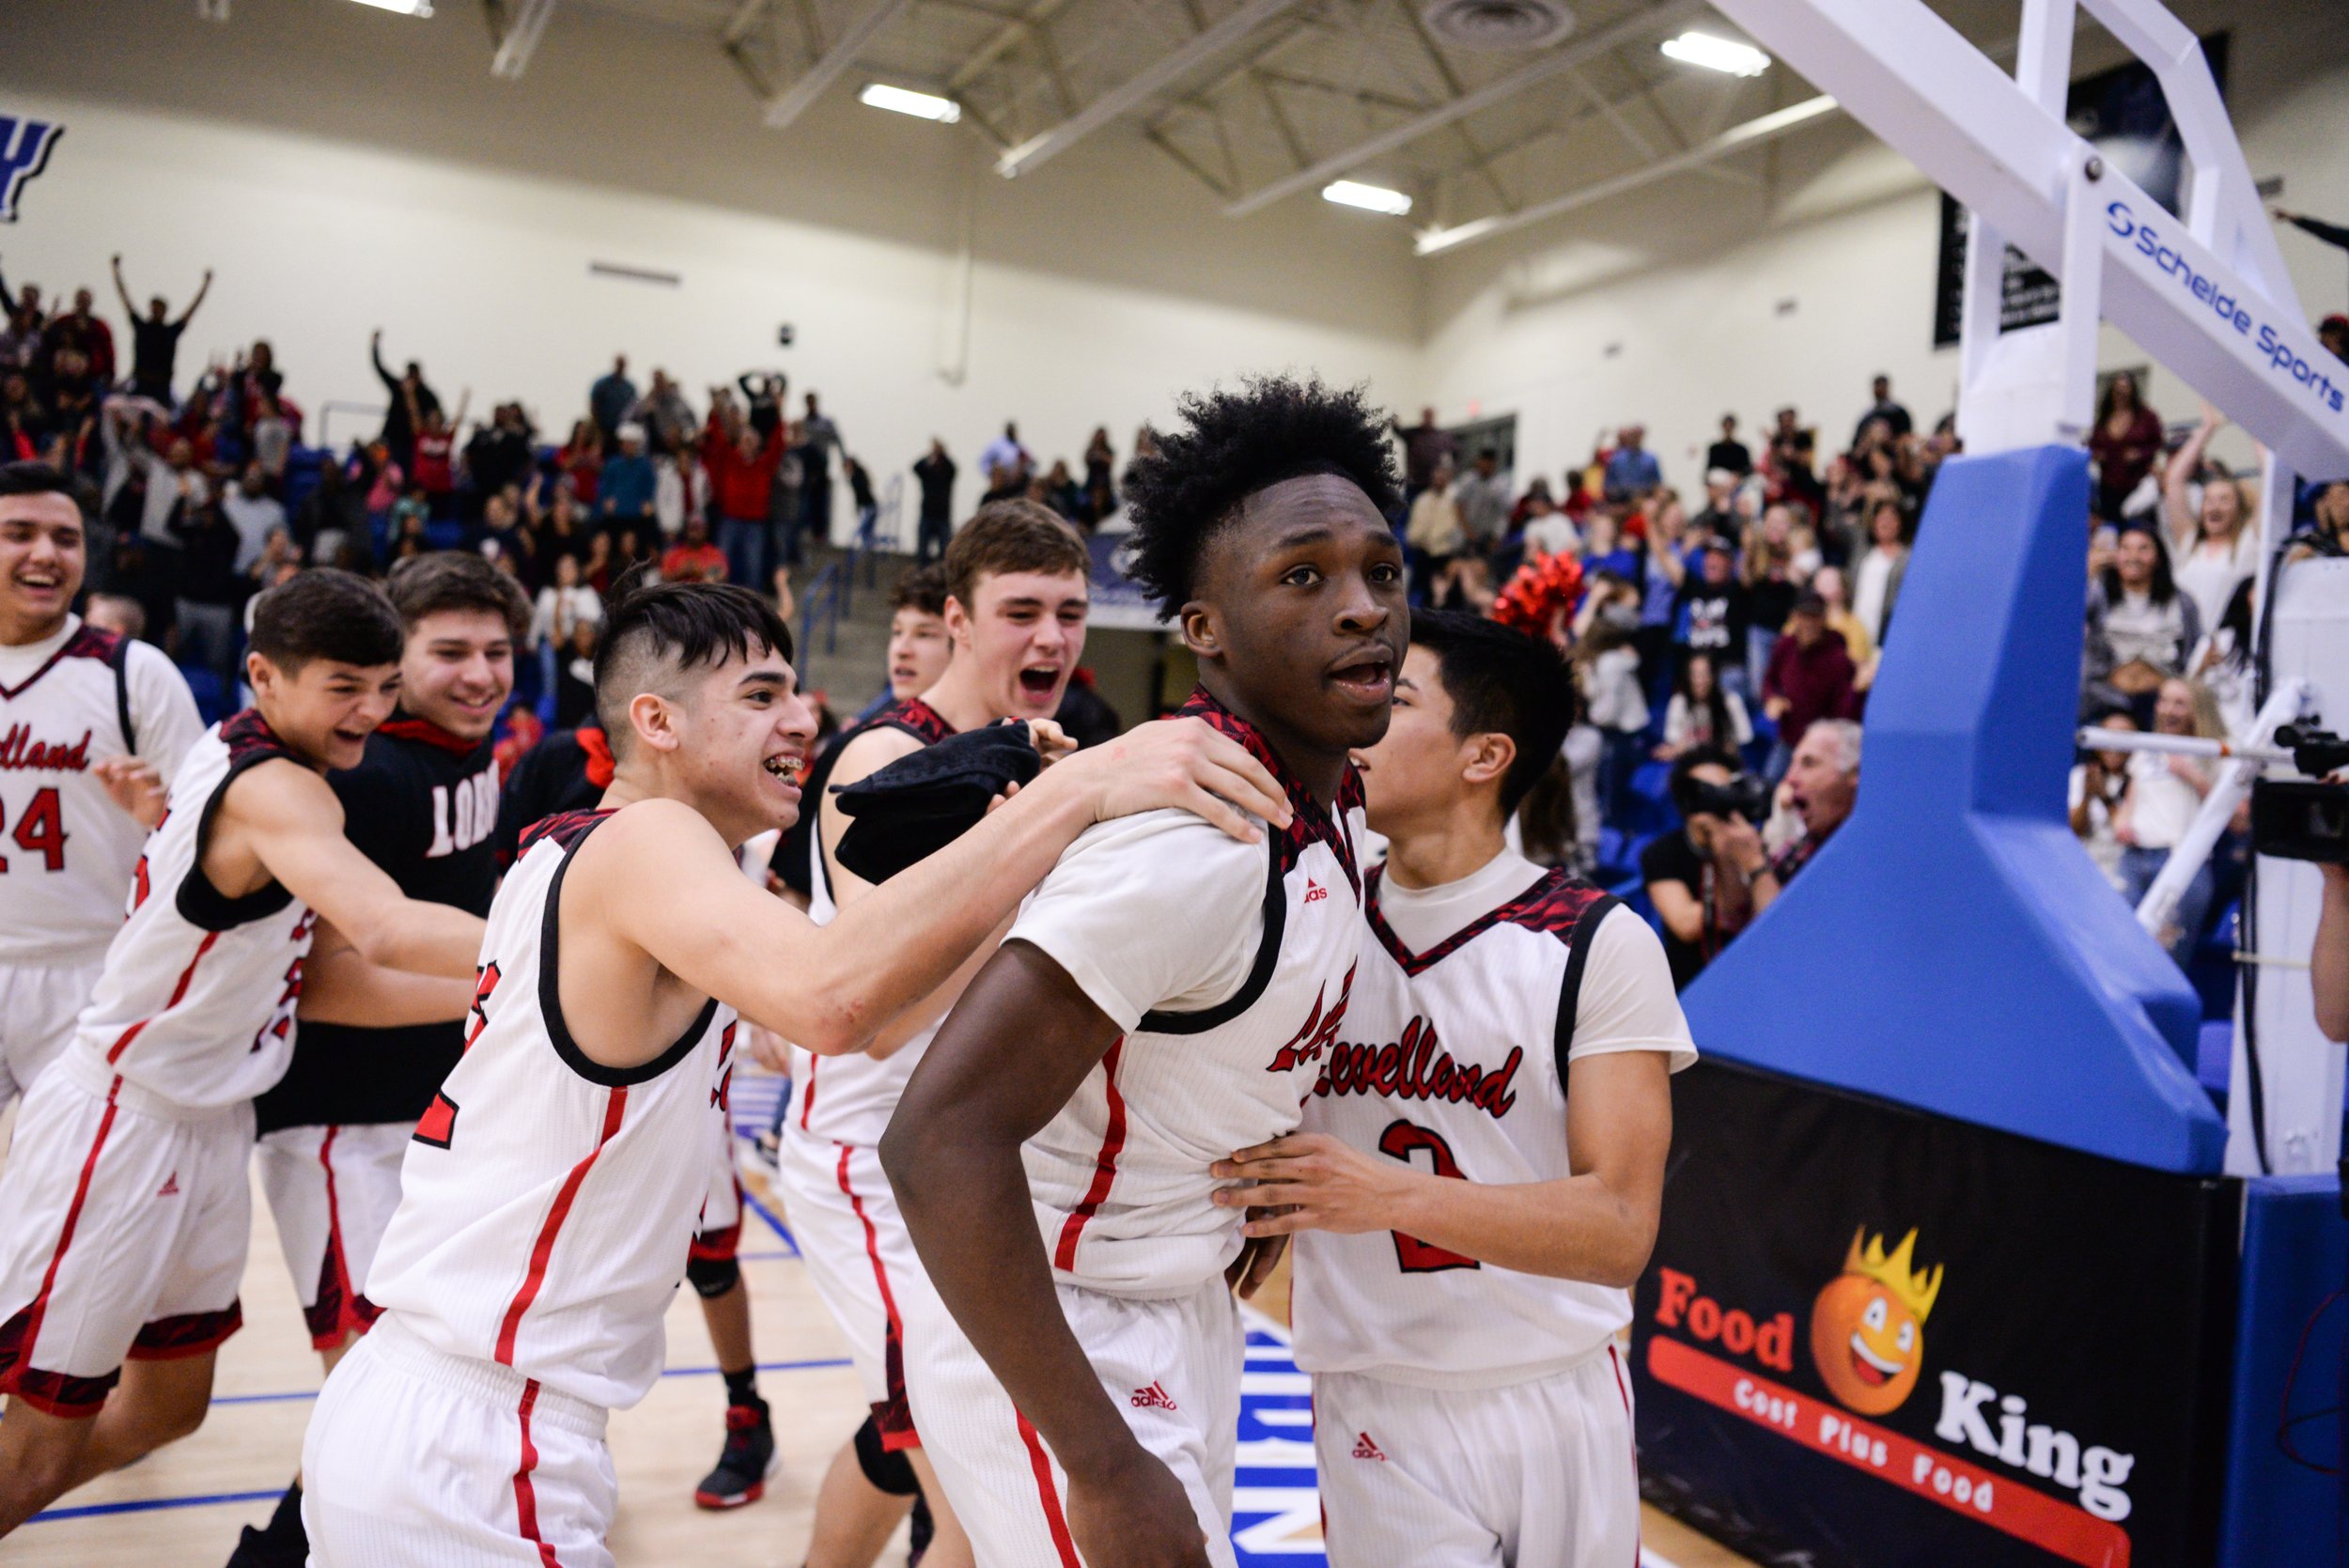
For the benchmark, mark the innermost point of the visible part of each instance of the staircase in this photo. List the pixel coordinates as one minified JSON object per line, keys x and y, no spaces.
{"x":841,"y":626}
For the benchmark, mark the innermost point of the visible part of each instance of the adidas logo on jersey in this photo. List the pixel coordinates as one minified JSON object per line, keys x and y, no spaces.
{"x":1155,"y":1397}
{"x":1314,"y":892}
{"x":171,"y":1186}
{"x":1366,"y":1449}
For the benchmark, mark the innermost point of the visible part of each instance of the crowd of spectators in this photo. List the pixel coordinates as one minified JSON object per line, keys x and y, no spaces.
{"x":1727,"y":632}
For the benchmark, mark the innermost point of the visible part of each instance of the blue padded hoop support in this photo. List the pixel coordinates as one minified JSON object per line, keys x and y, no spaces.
{"x":1952,"y":948}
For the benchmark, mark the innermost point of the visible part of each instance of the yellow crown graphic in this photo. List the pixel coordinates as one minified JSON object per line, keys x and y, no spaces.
{"x":1917,"y":1291}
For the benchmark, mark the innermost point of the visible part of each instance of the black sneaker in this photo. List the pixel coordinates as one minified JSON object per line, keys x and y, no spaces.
{"x":921,"y":1526}
{"x":748,"y":1460}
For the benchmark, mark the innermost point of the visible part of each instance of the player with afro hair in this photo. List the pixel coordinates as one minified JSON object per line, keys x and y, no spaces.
{"x":1152,"y":958}
{"x":1234,"y":445}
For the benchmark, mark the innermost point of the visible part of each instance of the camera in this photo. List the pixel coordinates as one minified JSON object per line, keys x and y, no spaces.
{"x":2304,"y":820}
{"x":1743,"y":796}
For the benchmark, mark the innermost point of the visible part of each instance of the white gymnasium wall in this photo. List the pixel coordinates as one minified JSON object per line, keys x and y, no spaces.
{"x":342,"y":167}
{"x":1699,"y":296}
{"x":392,"y":182}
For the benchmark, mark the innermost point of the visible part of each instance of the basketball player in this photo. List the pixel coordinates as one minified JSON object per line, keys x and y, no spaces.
{"x":568,"y":771}
{"x":548,"y":1198}
{"x":421,"y":805}
{"x":1164,"y":989}
{"x":1015,"y":616}
{"x":90,"y":725}
{"x":919,"y":648}
{"x":125,"y":1211}
{"x":1478,"y":1184}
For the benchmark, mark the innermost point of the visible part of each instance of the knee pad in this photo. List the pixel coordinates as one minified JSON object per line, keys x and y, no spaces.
{"x":888,"y":1472}
{"x":712,"y":1277}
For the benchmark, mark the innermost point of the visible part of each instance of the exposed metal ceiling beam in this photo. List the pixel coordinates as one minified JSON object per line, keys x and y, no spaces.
{"x":1562,"y":59}
{"x":525,"y":25}
{"x":795,"y":98}
{"x":1753,"y":132}
{"x":1164,"y":144}
{"x":992,"y":50}
{"x":1138,"y":88}
{"x":746,"y":17}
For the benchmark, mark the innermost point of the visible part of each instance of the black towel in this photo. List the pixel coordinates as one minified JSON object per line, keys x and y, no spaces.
{"x":920,"y":803}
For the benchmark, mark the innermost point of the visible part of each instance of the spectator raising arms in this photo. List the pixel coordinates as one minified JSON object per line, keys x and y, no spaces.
{"x":155,"y":336}
{"x":2215,"y":544}
{"x":408,"y":400}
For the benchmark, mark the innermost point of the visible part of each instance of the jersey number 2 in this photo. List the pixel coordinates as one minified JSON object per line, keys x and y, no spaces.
{"x":40,"y":830}
{"x":1401,"y":1141}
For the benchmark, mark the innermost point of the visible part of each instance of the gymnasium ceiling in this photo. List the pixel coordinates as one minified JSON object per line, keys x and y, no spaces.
{"x":1265,"y":100}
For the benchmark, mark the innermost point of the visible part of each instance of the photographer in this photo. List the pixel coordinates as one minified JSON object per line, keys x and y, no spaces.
{"x":2328,"y":964}
{"x":1709,"y":878}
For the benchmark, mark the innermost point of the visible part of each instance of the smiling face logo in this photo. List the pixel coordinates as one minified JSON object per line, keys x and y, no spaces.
{"x":1867,"y":1327}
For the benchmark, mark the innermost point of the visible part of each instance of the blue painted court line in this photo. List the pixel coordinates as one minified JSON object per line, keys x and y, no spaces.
{"x":148,"y":1505}
{"x":773,"y":1224}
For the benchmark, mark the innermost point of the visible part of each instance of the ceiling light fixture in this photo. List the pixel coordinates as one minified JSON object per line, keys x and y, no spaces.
{"x":1703,"y":49}
{"x":1371,"y":198}
{"x":880,"y":94}
{"x":405,"y":8}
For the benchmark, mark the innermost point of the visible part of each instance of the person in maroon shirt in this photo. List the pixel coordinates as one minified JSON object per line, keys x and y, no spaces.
{"x":435,"y":467}
{"x":1810,"y":678}
{"x":2124,"y":444}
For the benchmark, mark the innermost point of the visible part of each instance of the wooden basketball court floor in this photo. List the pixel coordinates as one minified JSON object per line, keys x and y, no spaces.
{"x":182,"y":1507}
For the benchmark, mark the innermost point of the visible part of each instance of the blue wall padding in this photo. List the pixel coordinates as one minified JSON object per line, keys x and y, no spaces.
{"x":2295,"y":1254}
{"x":1952,"y":948}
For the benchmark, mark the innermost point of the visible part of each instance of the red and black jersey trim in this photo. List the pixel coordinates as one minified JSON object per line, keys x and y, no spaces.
{"x":915,"y":717}
{"x":1310,"y":822}
{"x":570,"y":830}
{"x":566,"y":827}
{"x":54,"y":1393}
{"x":109,"y":648}
{"x":404,"y":726}
{"x":250,"y":742}
{"x":1557,"y":902}
{"x":171,"y":1339}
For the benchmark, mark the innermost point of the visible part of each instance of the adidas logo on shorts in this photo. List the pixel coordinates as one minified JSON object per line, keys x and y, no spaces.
{"x":1155,"y":1397}
{"x":1366,"y":1449}
{"x":170,"y":1186}
{"x":1314,"y":892}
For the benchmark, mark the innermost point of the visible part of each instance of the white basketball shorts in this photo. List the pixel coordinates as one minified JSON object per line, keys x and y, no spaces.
{"x":1171,"y":1366}
{"x":414,"y":1457}
{"x":331,"y":1190}
{"x":124,"y":1222}
{"x":845,"y":1218}
{"x":1533,"y":1475}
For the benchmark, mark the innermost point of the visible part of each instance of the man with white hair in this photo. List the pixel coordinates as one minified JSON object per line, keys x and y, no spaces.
{"x":1821,"y":784}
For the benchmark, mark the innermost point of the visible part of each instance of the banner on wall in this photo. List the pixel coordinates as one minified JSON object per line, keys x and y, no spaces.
{"x":1873,"y":1337}
{"x":2124,"y":113}
{"x":24,"y":148}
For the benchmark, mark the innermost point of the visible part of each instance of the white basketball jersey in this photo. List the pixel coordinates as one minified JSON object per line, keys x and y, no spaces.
{"x":1453,"y":1060}
{"x":65,"y":849}
{"x":197,"y":1003}
{"x":1119,"y":1178}
{"x":849,"y":1099}
{"x":547,"y":1201}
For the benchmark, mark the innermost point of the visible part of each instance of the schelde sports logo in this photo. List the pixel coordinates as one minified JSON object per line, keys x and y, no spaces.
{"x":1866,"y":1336}
{"x":1867,"y":1327}
{"x":24,"y":148}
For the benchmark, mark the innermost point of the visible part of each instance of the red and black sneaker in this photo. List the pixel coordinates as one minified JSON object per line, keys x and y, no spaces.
{"x":748,"y":1460}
